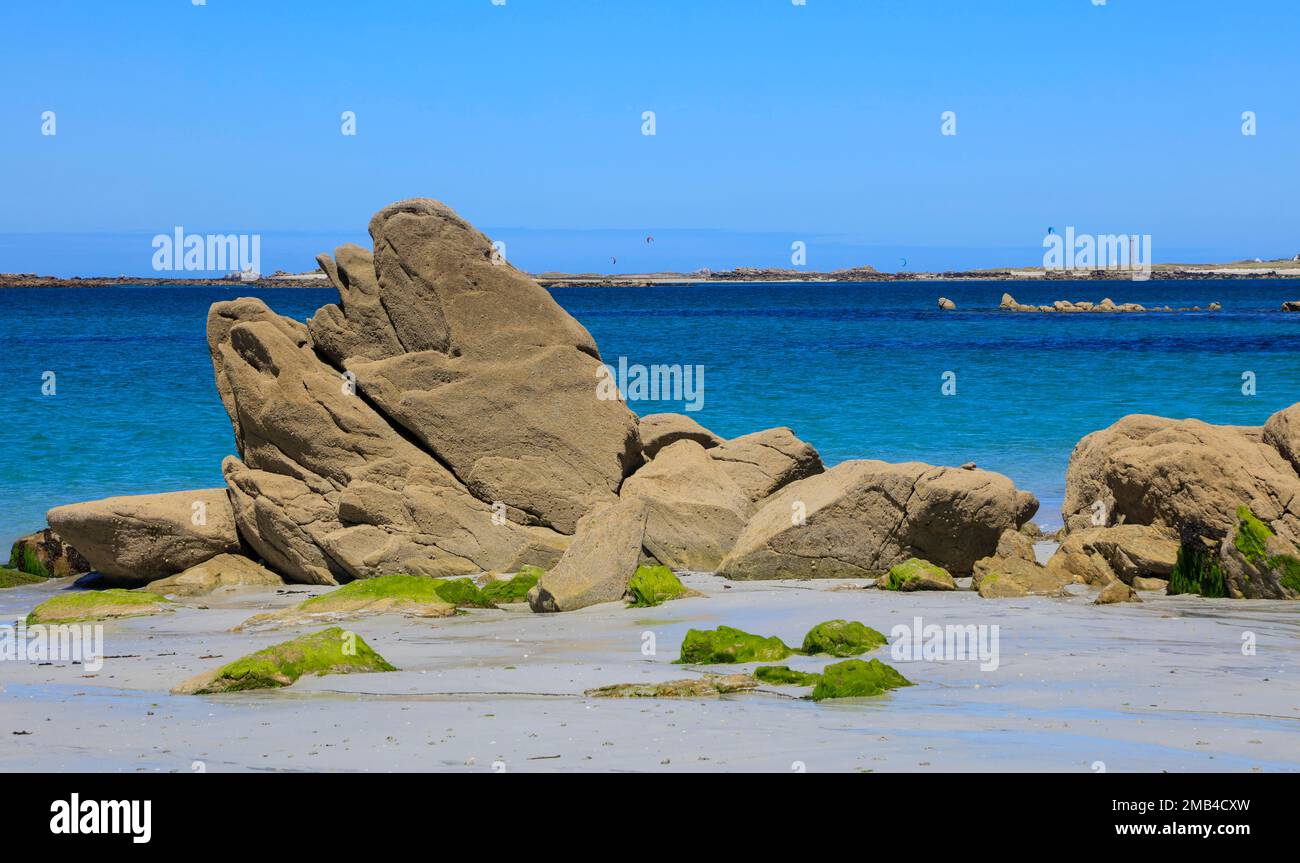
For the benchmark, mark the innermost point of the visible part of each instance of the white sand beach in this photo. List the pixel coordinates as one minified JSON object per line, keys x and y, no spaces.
{"x":1158,"y":686}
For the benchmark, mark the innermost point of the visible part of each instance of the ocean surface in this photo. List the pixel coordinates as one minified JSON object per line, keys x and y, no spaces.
{"x":856,"y":370}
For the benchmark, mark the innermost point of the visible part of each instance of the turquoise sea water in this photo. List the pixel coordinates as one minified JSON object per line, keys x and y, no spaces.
{"x":854,"y":369}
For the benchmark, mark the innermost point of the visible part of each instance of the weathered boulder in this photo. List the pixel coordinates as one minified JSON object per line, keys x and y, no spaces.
{"x":916,"y":574}
{"x":222,"y":571}
{"x":599,"y":563}
{"x":696,"y":510}
{"x":449,"y":331}
{"x":1009,"y":577}
{"x":1178,"y":473}
{"x":46,"y":555}
{"x":946,"y":304}
{"x":1127,"y":551}
{"x":764,"y":462}
{"x":1251,"y":563}
{"x":860,"y":518}
{"x":1014,"y":543}
{"x":1116,"y":591}
{"x":660,"y":430}
{"x":146,"y":537}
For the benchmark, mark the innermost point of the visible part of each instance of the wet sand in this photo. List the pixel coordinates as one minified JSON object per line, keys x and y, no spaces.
{"x":1157,"y":686}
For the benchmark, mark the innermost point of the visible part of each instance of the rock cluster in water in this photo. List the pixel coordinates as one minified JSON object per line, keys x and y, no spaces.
{"x":1106,"y":305}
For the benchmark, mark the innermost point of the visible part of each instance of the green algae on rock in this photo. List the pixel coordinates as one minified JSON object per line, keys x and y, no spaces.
{"x":1257,"y":563}
{"x":17,"y":578}
{"x":842,"y":638}
{"x":330,"y":651}
{"x":414,"y":595}
{"x":1197,"y":570}
{"x":916,"y":574}
{"x":88,"y":605}
{"x":854,"y":678}
{"x":515,"y":589}
{"x":653,"y":585}
{"x":700,"y":687}
{"x":783,"y":675}
{"x":727,"y":645}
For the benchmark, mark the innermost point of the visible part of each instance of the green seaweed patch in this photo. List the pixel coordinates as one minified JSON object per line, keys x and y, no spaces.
{"x":514,"y":589}
{"x":1252,"y":541}
{"x":17,"y":578}
{"x":912,"y":569}
{"x":1197,"y":571}
{"x":654,"y":585}
{"x":330,"y":651}
{"x":842,"y":638}
{"x":783,"y":675}
{"x":855,"y":678}
{"x":402,"y":588}
{"x":24,"y":558}
{"x":727,"y":645}
{"x":84,"y":605}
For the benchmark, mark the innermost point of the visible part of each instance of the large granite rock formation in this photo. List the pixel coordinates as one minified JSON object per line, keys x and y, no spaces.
{"x":478,"y":364}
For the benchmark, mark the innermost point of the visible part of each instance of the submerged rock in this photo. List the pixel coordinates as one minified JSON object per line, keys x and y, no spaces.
{"x":862,"y":517}
{"x":698,"y":687}
{"x":916,"y":574}
{"x":330,"y":651}
{"x":46,"y":555}
{"x":222,"y":571}
{"x":654,"y":585}
{"x":946,"y":304}
{"x":854,"y":678}
{"x":89,"y":605}
{"x":842,"y":638}
{"x":728,"y":645}
{"x":143,"y":538}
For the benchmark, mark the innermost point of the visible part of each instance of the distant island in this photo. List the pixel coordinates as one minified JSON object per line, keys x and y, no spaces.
{"x":1246,"y":269}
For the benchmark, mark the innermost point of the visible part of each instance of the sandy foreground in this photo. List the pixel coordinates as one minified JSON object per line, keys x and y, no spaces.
{"x":1158,"y":686}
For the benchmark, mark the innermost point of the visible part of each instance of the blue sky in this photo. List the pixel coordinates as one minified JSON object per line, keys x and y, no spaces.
{"x":775,"y":123}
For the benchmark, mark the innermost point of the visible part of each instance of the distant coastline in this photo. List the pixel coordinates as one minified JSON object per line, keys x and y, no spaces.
{"x":1279,"y":269}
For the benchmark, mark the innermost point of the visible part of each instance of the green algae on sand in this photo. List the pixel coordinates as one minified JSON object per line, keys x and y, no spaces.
{"x":727,"y":645}
{"x":17,"y":578}
{"x":330,"y":651}
{"x":842,"y":638}
{"x":654,"y":585}
{"x":700,"y":687}
{"x":854,"y":678}
{"x":89,"y":605}
{"x":783,"y":675}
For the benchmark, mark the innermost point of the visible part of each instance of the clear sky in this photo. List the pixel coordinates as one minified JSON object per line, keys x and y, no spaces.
{"x":774,"y":122}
